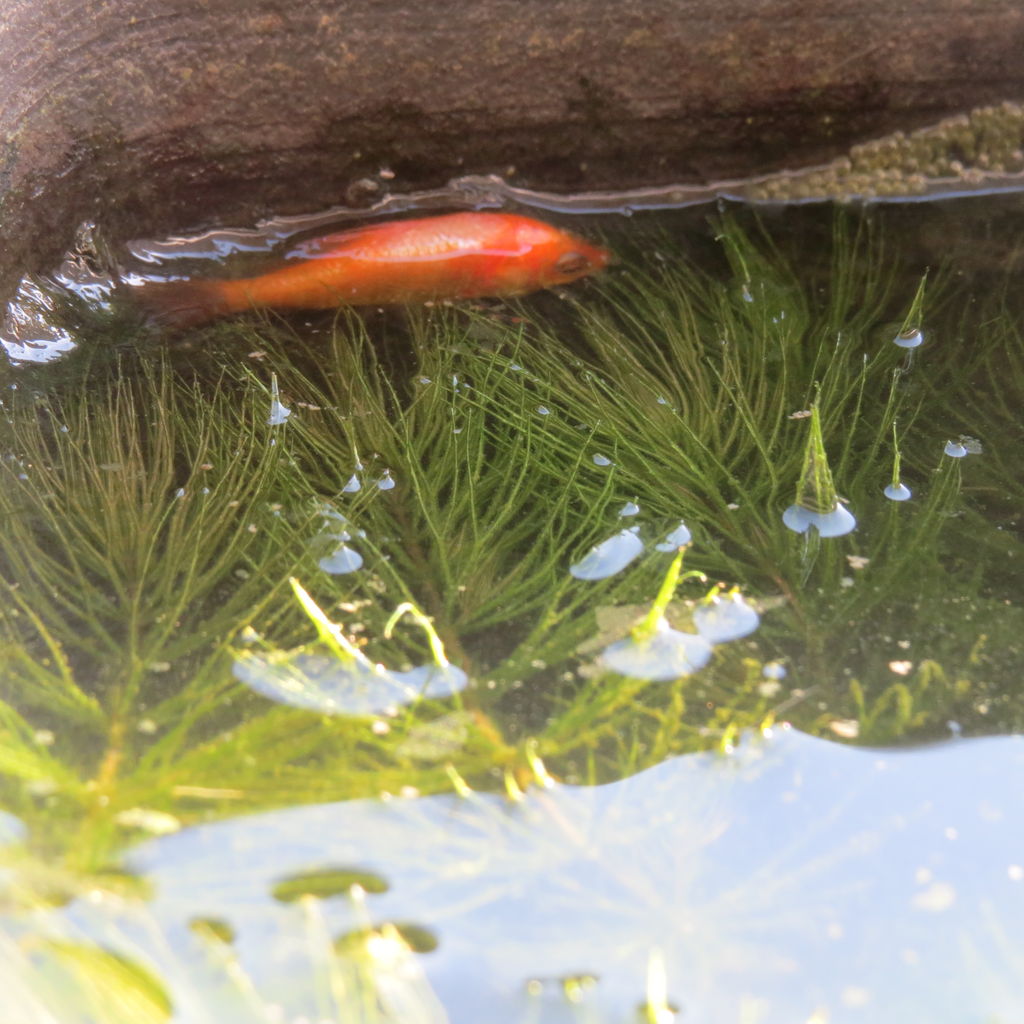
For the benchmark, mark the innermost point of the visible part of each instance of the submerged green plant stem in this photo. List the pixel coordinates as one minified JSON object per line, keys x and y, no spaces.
{"x":169,"y":517}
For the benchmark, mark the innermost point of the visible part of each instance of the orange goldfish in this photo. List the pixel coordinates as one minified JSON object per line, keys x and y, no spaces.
{"x":452,"y":256}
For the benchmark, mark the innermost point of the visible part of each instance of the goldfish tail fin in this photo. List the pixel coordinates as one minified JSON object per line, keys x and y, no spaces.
{"x":178,"y":304}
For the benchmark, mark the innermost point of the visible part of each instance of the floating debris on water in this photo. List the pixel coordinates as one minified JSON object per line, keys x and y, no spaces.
{"x":610,"y":556}
{"x":278,"y":412}
{"x":679,"y":537}
{"x":721,"y":619}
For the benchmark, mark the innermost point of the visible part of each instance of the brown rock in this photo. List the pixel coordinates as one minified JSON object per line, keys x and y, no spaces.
{"x":152,"y":116}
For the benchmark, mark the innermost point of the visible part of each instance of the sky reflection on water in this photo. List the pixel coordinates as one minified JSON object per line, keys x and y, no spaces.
{"x":792,"y":877}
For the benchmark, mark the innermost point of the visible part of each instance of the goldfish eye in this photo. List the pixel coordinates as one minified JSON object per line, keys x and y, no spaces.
{"x":572,"y":263}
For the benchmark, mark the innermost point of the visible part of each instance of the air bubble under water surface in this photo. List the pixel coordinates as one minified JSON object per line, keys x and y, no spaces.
{"x":610,"y":556}
{"x":341,"y":561}
{"x":910,"y":338}
{"x":279,"y":412}
{"x":836,"y":523}
{"x":720,"y":619}
{"x":662,"y":656}
{"x":897,"y":492}
{"x":677,"y":538}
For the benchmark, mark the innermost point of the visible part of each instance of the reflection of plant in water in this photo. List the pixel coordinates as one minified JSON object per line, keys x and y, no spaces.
{"x":731,"y":870}
{"x":140,"y":542}
{"x":118,"y":964}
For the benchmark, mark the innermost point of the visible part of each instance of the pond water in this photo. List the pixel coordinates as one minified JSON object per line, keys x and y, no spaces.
{"x":646,"y":650}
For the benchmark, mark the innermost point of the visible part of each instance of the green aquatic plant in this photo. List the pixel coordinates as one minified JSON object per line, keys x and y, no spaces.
{"x":455,"y":466}
{"x":316,"y":908}
{"x":817,"y":506}
{"x":471,"y":458}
